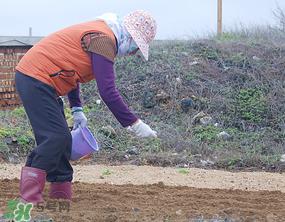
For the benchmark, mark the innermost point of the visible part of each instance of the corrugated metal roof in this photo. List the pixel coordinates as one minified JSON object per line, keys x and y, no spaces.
{"x":19,"y":40}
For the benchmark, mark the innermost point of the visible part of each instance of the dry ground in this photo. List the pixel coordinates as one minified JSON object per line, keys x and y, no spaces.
{"x":132,"y":193}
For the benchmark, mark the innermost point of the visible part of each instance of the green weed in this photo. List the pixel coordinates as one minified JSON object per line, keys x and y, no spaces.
{"x":251,"y":105}
{"x":106,"y":172}
{"x":183,"y":171}
{"x":205,"y":134}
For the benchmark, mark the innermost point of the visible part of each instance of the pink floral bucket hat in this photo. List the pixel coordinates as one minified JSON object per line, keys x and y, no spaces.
{"x":142,"y":27}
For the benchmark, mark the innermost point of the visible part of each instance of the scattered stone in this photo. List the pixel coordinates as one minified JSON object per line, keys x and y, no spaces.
{"x":148,"y":100}
{"x":282,"y":159}
{"x":186,"y":104}
{"x":193,"y":63}
{"x":226,"y":68}
{"x":8,"y":140}
{"x":216,"y":124}
{"x":133,"y":151}
{"x":282,"y":127}
{"x":178,"y":80}
{"x":207,"y":120}
{"x":160,"y":184}
{"x":256,"y":58}
{"x":178,"y":212}
{"x":135,"y":209}
{"x":127,"y":157}
{"x":204,"y":162}
{"x":162,"y":96}
{"x":224,"y":135}
{"x":197,"y":117}
{"x":210,"y":162}
{"x":141,"y":77}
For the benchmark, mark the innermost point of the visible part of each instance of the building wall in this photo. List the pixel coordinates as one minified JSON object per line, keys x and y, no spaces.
{"x":9,"y":58}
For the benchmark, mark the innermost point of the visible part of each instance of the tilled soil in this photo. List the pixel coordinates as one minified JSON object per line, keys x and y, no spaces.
{"x":156,"y":202}
{"x":145,"y":193}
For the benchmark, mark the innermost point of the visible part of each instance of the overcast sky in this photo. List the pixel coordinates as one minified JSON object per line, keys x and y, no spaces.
{"x":176,"y":19}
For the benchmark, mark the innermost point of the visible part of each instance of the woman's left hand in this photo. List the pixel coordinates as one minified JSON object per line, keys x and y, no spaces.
{"x":79,"y":118}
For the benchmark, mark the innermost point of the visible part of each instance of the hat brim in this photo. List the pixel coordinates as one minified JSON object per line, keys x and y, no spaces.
{"x":141,"y":43}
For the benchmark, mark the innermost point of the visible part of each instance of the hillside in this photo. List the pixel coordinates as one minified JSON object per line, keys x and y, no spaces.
{"x":216,"y":103}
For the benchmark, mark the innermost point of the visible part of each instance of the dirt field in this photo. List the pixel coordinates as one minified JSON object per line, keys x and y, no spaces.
{"x":110,"y":195}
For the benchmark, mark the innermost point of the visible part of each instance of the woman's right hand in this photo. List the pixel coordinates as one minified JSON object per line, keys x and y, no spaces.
{"x":142,"y":130}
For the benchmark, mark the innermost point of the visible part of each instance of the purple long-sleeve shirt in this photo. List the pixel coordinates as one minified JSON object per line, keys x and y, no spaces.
{"x":105,"y":78}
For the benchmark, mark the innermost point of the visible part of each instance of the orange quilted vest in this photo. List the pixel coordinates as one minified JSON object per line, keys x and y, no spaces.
{"x":59,"y":60}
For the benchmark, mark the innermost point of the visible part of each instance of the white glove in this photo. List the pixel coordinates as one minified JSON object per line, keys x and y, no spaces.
{"x":79,"y":119}
{"x":142,"y":130}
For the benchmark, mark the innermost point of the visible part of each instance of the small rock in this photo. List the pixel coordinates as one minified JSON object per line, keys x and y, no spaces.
{"x":282,"y":127}
{"x":160,"y":184}
{"x":101,"y":177}
{"x":178,"y":80}
{"x":282,"y":159}
{"x":226,"y":68}
{"x":162,"y":96}
{"x":178,"y":212}
{"x":8,"y":140}
{"x":133,"y":151}
{"x":127,"y":157}
{"x":141,"y":77}
{"x":148,"y":100}
{"x":204,"y":162}
{"x":210,"y":162}
{"x":98,"y":101}
{"x":186,"y":104}
{"x":224,"y":135}
{"x":216,"y":124}
{"x":193,"y":63}
{"x":135,"y":209}
{"x":197,"y":117}
{"x":256,"y":58}
{"x":207,"y":120}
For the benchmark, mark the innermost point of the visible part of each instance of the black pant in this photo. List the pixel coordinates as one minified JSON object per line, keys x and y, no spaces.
{"x":45,"y":112}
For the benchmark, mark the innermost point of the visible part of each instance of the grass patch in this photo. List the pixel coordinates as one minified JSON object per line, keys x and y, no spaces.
{"x":183,"y":171}
{"x":106,"y":172}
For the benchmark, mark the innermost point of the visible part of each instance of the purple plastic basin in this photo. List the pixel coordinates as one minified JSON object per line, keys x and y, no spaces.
{"x":83,"y":143}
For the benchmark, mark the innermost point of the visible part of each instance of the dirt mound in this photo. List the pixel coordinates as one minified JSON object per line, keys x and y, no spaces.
{"x":105,"y":202}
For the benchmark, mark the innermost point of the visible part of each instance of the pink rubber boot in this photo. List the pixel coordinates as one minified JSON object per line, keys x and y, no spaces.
{"x":60,"y":190}
{"x":32,"y":184}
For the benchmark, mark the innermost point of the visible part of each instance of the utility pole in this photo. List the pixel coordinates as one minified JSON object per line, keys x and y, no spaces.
{"x":220,"y":17}
{"x":30,"y":31}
